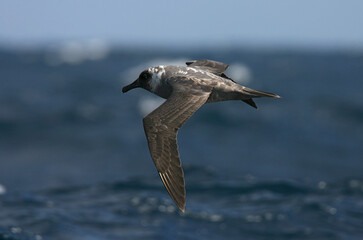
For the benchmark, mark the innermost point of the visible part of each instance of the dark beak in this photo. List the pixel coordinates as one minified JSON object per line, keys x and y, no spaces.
{"x":133,"y":85}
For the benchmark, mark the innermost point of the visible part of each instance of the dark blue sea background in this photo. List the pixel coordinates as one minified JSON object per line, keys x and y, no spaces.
{"x":74,"y":162}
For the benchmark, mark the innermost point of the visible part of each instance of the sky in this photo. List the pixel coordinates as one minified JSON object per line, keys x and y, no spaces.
{"x":308,"y":23}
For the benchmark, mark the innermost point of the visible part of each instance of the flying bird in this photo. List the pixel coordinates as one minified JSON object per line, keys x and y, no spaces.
{"x":186,"y":89}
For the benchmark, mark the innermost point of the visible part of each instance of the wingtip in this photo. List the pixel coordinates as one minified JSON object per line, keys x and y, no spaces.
{"x":180,"y":203}
{"x":181,"y":206}
{"x":190,"y":62}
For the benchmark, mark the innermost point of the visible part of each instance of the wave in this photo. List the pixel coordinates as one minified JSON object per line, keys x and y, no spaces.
{"x":76,"y":52}
{"x":284,"y":209}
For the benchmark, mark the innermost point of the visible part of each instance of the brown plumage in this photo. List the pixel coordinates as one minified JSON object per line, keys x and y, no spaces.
{"x":186,"y":90}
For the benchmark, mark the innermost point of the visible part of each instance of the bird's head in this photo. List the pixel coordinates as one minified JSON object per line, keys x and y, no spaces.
{"x":143,"y":81}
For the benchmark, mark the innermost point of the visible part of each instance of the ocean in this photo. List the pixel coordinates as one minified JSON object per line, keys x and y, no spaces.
{"x":74,"y":162}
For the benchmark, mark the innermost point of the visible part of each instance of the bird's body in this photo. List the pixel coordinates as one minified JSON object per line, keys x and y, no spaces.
{"x":188,"y":79}
{"x":186,"y":90}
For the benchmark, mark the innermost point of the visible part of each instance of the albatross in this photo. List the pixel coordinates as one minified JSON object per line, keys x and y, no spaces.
{"x":186,"y":89}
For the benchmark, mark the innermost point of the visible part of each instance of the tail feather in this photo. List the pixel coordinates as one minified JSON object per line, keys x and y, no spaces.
{"x":252,"y":93}
{"x":250,"y":102}
{"x":256,"y":93}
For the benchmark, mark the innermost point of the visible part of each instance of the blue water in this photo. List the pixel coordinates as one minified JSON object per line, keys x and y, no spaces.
{"x":74,"y":162}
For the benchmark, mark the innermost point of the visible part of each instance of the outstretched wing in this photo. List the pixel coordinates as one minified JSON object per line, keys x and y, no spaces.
{"x":217,"y":68}
{"x":161,"y":127}
{"x":208,"y":65}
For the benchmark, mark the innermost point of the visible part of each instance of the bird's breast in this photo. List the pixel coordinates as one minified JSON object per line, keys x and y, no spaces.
{"x":164,"y":90}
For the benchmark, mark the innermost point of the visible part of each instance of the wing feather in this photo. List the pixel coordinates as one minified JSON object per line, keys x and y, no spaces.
{"x":214,"y":67}
{"x":161,"y":127}
{"x":209,"y":65}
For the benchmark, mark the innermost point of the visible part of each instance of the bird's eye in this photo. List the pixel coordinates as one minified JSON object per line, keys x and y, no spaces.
{"x":145,"y":75}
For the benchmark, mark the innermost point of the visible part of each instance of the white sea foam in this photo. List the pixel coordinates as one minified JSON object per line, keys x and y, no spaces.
{"x":239,"y":73}
{"x":75,"y":52}
{"x":2,"y":189}
{"x":148,"y":104}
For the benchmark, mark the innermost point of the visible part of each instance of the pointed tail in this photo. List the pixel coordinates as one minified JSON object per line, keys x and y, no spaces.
{"x":251,"y":93}
{"x":256,"y":93}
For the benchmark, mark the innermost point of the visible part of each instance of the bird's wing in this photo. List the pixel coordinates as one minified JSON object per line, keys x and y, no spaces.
{"x":161,"y":127}
{"x":217,"y":68}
